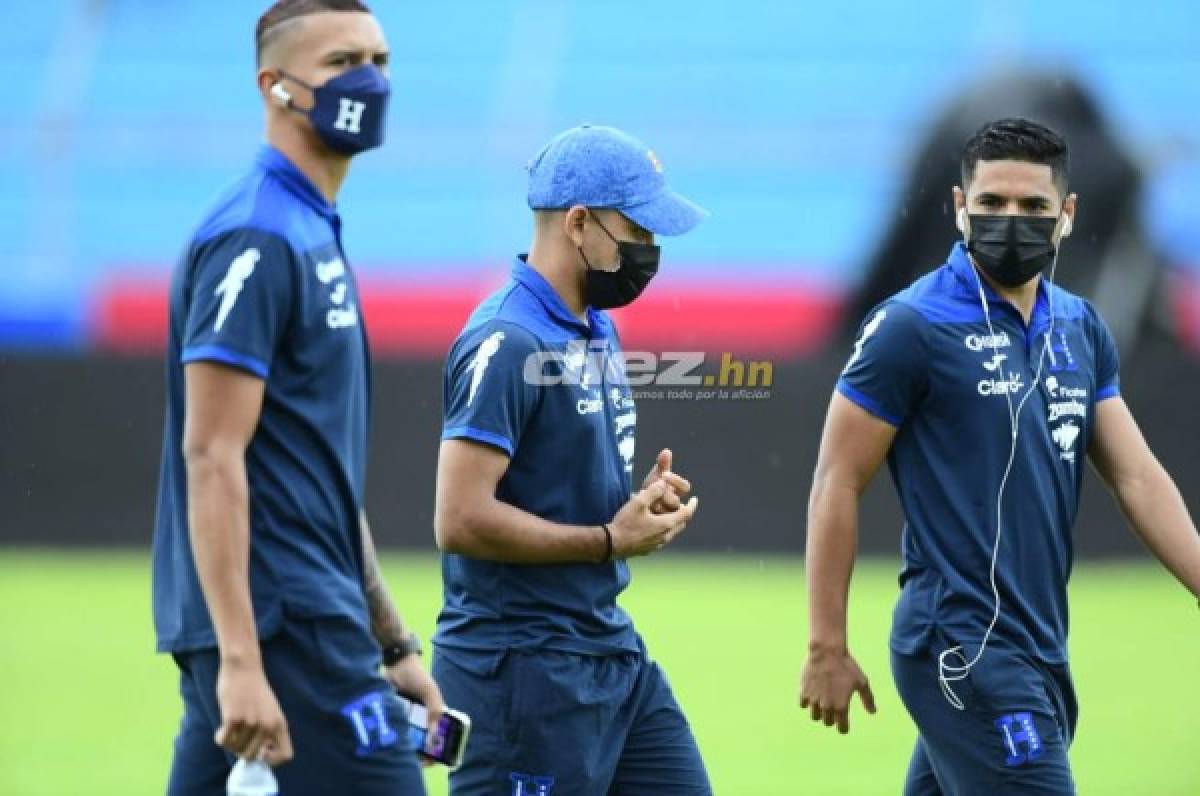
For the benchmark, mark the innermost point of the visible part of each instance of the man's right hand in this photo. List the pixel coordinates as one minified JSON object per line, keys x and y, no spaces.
{"x":252,"y":723}
{"x":830,"y":678}
{"x":638,"y":531}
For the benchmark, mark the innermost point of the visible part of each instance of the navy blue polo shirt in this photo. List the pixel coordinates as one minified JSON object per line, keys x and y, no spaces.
{"x":529,"y":378}
{"x":264,"y":287}
{"x":926,"y":363}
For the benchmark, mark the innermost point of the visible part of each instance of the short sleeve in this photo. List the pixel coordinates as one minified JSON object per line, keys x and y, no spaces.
{"x":487,"y":397}
{"x":886,"y":373}
{"x":1108,"y":361}
{"x":240,"y":301}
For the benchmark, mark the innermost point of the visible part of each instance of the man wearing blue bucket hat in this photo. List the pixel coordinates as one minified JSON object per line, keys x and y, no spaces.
{"x":536,"y":514}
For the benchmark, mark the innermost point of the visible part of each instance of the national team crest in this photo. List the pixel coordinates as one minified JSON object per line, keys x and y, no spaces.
{"x":369,"y":720}
{"x":1022,"y":743}
{"x":1061,"y":357}
{"x":530,"y":785}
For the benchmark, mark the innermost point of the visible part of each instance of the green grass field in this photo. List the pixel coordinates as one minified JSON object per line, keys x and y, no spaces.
{"x":88,"y":708}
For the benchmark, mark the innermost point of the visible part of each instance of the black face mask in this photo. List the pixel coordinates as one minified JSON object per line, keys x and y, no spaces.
{"x":638,"y":263}
{"x":1012,"y":249}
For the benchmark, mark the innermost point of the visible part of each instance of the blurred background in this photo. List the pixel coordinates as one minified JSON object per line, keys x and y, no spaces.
{"x":824,"y":138}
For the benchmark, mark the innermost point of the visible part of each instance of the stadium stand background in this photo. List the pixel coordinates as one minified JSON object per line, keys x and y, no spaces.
{"x":794,"y":123}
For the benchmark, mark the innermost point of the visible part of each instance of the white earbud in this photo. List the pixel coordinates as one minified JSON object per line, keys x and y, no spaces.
{"x":281,"y":95}
{"x":1067,"y":227}
{"x":960,"y":220}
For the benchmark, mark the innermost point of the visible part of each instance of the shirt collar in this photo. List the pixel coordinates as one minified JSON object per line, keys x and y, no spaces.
{"x":528,"y":276}
{"x":277,"y":164}
{"x":964,"y":272}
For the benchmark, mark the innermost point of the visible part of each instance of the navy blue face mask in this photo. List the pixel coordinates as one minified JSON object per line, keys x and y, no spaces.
{"x":349,"y":111}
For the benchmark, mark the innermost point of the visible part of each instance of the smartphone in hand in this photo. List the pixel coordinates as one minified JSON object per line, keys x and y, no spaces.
{"x":447,"y":743}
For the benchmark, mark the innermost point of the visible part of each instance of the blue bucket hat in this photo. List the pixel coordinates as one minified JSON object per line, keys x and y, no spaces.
{"x":602,"y":167}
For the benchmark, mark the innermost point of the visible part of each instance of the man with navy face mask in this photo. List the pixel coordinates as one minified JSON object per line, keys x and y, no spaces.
{"x":267,"y":590}
{"x":987,"y":388}
{"x":536,"y":511}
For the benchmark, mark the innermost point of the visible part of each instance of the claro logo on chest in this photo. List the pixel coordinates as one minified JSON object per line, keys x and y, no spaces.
{"x":342,"y":318}
{"x":341,"y":315}
{"x":588,"y":406}
{"x":1006,"y":386}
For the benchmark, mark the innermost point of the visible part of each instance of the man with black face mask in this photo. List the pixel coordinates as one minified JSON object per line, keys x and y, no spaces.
{"x":536,"y":512}
{"x":985,"y":386}
{"x":267,"y":590}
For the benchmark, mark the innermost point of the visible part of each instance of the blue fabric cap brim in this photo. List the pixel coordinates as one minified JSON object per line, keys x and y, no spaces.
{"x":666,"y":214}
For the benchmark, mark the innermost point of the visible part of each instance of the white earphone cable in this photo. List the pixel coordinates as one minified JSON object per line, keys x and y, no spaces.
{"x":954,"y":672}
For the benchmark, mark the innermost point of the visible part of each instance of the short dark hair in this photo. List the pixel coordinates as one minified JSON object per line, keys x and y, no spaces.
{"x":287,"y":10}
{"x":1017,"y":139}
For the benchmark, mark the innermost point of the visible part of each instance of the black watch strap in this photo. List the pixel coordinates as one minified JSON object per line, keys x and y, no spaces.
{"x":399,"y":650}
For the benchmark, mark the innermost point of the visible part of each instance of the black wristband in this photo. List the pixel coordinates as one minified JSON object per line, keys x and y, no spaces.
{"x":398,"y":651}
{"x":608,"y":544}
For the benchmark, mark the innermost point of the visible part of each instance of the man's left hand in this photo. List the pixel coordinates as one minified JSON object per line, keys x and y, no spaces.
{"x":679,"y":487}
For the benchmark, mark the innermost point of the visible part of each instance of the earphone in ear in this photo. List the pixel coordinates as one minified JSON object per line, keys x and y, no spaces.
{"x":281,"y":95}
{"x":1068,"y":225}
{"x":960,"y":220}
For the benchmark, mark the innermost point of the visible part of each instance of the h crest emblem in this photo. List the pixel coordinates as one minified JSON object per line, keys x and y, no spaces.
{"x":530,"y":785}
{"x":369,"y":720}
{"x":350,"y":113}
{"x":1021,"y":739}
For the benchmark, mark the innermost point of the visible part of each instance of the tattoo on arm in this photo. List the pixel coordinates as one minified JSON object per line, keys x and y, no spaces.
{"x":386,"y":624}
